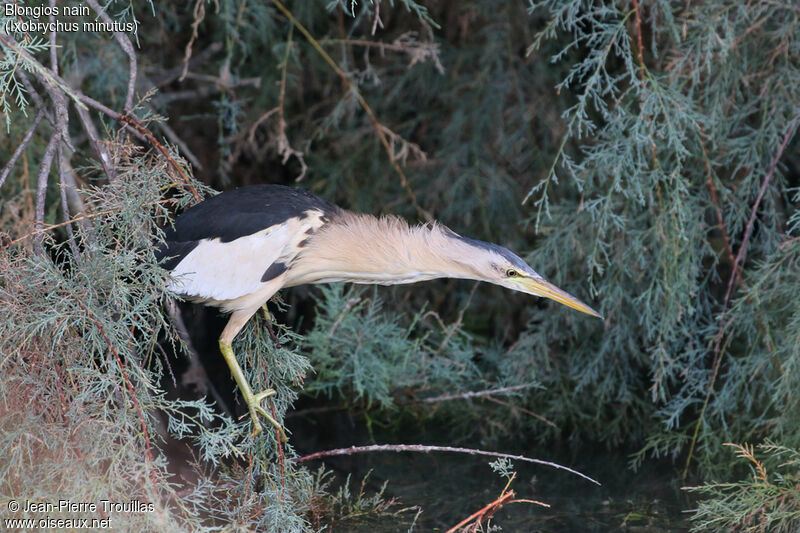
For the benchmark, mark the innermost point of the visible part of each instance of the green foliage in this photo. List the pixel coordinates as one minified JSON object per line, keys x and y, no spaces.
{"x":357,"y":511}
{"x":360,"y":351}
{"x":654,"y":144}
{"x":768,"y":501}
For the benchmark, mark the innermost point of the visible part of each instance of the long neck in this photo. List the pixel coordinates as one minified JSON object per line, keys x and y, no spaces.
{"x":366,"y":249}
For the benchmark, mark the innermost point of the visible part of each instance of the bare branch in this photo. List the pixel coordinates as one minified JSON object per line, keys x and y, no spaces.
{"x":476,"y":394}
{"x":207,"y":90}
{"x":41,"y":184}
{"x":99,"y":147}
{"x":349,"y":84}
{"x":127,"y":47}
{"x":53,"y":47}
{"x":199,"y":13}
{"x":174,"y":139}
{"x":37,"y":99}
{"x":427,"y":449}
{"x":62,"y":171}
{"x":749,"y":228}
{"x":740,"y":256}
{"x":174,"y":73}
{"x":21,"y":147}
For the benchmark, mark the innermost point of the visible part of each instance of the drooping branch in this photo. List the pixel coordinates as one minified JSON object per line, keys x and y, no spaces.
{"x":740,"y":257}
{"x":379,"y":128}
{"x":52,"y":81}
{"x":427,"y":449}
{"x":127,"y":47}
{"x":21,"y":147}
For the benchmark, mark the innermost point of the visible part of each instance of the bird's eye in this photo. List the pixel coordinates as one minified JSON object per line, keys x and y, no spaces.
{"x":511,"y":273}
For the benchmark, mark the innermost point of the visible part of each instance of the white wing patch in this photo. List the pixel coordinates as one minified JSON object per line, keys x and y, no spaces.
{"x":217,"y":270}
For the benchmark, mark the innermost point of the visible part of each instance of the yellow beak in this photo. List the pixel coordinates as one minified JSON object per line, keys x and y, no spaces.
{"x":540,"y":287}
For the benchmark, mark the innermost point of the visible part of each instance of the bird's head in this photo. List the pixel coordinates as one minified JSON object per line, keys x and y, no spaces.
{"x":498,"y":265}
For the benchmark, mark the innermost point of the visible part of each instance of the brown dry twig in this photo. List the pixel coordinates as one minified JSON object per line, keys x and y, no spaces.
{"x":486,"y":512}
{"x":407,"y":43}
{"x":379,"y":128}
{"x":77,"y":219}
{"x":199,"y":15}
{"x":740,"y":257}
{"x":134,"y":397}
{"x":48,"y":78}
{"x":528,"y":412}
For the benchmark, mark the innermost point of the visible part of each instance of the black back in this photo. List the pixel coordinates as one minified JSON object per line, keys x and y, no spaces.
{"x":237,"y":213}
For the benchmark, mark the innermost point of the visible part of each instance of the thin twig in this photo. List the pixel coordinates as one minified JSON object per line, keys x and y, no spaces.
{"x":78,"y":219}
{"x":369,"y":44}
{"x":762,"y":191}
{"x":485,"y":512}
{"x":476,"y":394}
{"x":278,"y":436}
{"x":284,"y":147}
{"x":127,"y":47}
{"x":457,"y":324}
{"x":528,"y":412}
{"x":427,"y":449}
{"x":347,"y":306}
{"x":740,"y":257}
{"x":715,"y":201}
{"x":41,"y":183}
{"x":490,"y":509}
{"x":279,"y":440}
{"x":177,"y":141}
{"x":199,"y":14}
{"x":53,"y":47}
{"x":31,"y":90}
{"x":62,"y":171}
{"x":164,"y":99}
{"x":377,"y":125}
{"x":21,"y":147}
{"x":175,"y":72}
{"x":134,"y":398}
{"x":640,"y":47}
{"x":762,"y":326}
{"x":788,"y":242}
{"x":144,"y":131}
{"x":91,"y":132}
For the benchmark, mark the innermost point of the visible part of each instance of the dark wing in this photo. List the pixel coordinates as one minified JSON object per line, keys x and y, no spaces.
{"x":228,"y":246}
{"x":234,"y":214}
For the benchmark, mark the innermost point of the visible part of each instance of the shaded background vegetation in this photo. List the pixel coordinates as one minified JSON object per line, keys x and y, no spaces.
{"x":641,"y":155}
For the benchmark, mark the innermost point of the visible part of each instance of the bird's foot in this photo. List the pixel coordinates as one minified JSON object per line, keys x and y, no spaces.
{"x":254,"y":407}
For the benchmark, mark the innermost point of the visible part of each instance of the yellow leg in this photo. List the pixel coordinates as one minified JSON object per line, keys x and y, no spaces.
{"x":253,"y":401}
{"x":269,"y":325}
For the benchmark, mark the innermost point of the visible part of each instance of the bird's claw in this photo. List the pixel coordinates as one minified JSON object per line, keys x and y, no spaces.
{"x":254,"y":406}
{"x":261,"y":396}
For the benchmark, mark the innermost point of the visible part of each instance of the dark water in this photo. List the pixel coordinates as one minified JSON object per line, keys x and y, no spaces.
{"x":450,"y":487}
